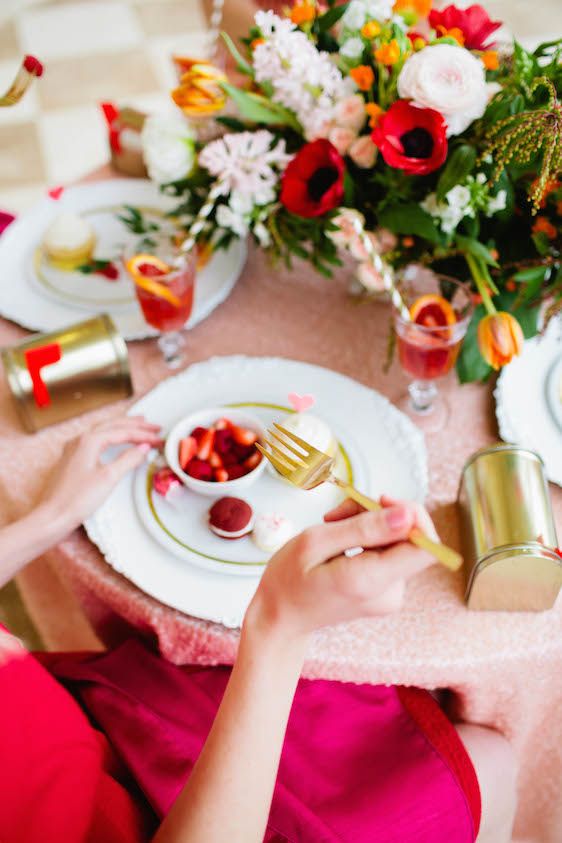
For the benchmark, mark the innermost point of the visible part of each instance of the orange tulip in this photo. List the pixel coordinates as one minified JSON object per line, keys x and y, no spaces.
{"x":388,"y":53}
{"x":303,"y":13}
{"x":363,"y":77}
{"x":500,"y":338}
{"x":199,"y":92}
{"x":490,"y":59}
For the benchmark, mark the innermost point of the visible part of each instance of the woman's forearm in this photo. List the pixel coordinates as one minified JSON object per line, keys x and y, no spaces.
{"x":28,"y":538}
{"x":229,"y":793}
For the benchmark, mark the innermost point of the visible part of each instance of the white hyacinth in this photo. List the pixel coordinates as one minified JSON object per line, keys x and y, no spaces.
{"x":303,"y":79}
{"x":246,"y":163}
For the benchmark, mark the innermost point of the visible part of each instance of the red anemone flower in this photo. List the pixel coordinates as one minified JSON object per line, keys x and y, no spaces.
{"x":312,"y":184}
{"x":411,"y":139}
{"x":474,"y":23}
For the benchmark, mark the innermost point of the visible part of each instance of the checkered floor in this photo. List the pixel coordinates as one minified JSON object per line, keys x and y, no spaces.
{"x":119,"y":50}
{"x":93,"y":50}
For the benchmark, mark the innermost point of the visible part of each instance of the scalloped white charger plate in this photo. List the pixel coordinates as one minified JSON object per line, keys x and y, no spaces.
{"x":386,"y":454}
{"x":41,"y":298}
{"x":529,"y":400}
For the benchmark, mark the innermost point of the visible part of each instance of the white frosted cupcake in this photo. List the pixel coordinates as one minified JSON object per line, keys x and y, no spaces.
{"x":69,"y":241}
{"x":313,"y":430}
{"x":272,"y":531}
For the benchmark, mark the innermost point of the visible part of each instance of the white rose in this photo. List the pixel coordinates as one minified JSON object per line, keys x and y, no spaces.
{"x":168,"y":145}
{"x":352,"y":48}
{"x":448,"y":79}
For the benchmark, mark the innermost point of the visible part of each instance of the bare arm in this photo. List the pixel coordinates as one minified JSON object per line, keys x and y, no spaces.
{"x":308,"y":584}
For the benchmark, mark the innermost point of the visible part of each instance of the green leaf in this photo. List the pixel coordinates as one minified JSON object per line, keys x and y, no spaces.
{"x":530,"y":274}
{"x":231,"y":123}
{"x":471,"y":366}
{"x":241,"y":63}
{"x":260,"y":110}
{"x":348,"y":190}
{"x":476,"y":248}
{"x":331,"y":17}
{"x":409,"y":218}
{"x":461,"y":162}
{"x":542,"y":243}
{"x":526,"y":65}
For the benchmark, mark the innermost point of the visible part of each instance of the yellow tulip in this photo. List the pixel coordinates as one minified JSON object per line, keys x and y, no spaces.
{"x":500,"y":338}
{"x":199,"y":92}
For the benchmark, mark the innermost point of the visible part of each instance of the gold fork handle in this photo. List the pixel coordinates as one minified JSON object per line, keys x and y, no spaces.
{"x":446,"y":555}
{"x":365,"y":501}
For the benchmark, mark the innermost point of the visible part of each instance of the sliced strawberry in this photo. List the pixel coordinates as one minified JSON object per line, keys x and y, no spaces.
{"x":215,"y":460}
{"x":236,"y":471}
{"x":198,"y":433}
{"x":165,"y":480}
{"x":244,"y":436}
{"x":243,"y":452}
{"x":150,"y":270}
{"x":206,"y":444}
{"x":223,"y":424}
{"x":199,"y":469}
{"x":230,"y":458}
{"x":188,"y":449}
{"x":221,"y":475}
{"x":252,"y":461}
{"x":223,"y":441}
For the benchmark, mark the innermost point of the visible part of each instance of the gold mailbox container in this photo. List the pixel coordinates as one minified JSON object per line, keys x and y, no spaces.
{"x":93,"y":370}
{"x":509,"y":536}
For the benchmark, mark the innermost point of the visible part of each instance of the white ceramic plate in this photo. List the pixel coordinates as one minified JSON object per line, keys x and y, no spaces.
{"x":41,"y":298}
{"x":528,"y":400}
{"x":386,"y":452}
{"x":179,"y":524}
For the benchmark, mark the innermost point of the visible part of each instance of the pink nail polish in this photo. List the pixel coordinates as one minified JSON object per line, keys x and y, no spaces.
{"x":396,"y":517}
{"x":145,"y":447}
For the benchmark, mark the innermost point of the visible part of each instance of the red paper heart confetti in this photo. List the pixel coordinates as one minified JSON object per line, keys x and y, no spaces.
{"x":300,"y":403}
{"x":55,"y":192}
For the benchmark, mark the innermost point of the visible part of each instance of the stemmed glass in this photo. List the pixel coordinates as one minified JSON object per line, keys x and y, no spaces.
{"x":429,"y":350}
{"x":166,"y":298}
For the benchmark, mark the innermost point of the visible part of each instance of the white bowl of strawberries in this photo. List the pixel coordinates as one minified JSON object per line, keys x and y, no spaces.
{"x":214,"y":451}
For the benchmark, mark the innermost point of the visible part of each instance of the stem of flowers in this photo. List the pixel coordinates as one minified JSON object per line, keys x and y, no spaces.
{"x":479,"y":272}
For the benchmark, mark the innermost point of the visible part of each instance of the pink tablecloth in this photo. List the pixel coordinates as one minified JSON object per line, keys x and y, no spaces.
{"x":506,"y":669}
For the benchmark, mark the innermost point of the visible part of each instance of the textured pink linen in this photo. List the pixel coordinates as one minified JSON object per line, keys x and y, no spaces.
{"x":505,"y":669}
{"x":355,"y":767}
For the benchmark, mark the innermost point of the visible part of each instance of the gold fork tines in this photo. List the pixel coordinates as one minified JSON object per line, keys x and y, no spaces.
{"x":307,"y":467}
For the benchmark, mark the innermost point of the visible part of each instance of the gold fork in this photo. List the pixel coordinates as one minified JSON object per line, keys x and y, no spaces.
{"x":307,"y":467}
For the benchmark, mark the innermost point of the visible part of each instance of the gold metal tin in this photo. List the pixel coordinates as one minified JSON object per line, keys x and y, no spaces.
{"x":508,"y":531}
{"x":93,"y":371}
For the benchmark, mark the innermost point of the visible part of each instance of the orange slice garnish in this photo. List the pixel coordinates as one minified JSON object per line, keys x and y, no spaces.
{"x":432,"y":311}
{"x":144,"y":269}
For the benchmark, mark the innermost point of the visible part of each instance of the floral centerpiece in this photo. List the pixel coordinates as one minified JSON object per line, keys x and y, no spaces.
{"x":395,"y":121}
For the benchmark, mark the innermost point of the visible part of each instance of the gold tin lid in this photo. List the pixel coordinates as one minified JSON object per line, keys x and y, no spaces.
{"x":517,"y":578}
{"x":498,"y":448}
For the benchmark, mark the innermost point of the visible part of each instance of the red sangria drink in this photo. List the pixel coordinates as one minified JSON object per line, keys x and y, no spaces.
{"x":430,"y":340}
{"x":165,"y":287}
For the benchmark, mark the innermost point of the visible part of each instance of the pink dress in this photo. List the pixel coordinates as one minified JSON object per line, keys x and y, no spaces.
{"x":360,"y":763}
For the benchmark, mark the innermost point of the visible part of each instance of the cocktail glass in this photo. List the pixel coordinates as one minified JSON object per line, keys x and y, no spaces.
{"x":428,"y":351}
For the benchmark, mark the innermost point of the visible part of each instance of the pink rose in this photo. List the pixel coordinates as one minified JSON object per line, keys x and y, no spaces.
{"x":346,"y":227}
{"x":370,"y":277}
{"x":341,"y":139}
{"x":350,"y":113}
{"x":386,"y":240}
{"x":363,"y":152}
{"x":357,"y":248}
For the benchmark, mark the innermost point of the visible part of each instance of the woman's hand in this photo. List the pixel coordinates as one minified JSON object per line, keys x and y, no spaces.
{"x":311,"y":583}
{"x":81,"y":482}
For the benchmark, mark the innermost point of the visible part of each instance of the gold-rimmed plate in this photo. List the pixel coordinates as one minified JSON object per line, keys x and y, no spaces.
{"x":179,"y":523}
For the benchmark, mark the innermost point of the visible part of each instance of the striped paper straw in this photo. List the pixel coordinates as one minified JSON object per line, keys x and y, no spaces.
{"x":383,"y":269}
{"x":199,"y":222}
{"x":30,"y":68}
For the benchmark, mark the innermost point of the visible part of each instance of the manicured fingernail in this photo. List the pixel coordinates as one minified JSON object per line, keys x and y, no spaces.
{"x":145,"y":447}
{"x":396,"y":517}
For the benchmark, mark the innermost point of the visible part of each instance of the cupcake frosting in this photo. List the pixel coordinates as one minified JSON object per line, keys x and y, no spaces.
{"x":68,"y":231}
{"x":312,"y":429}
